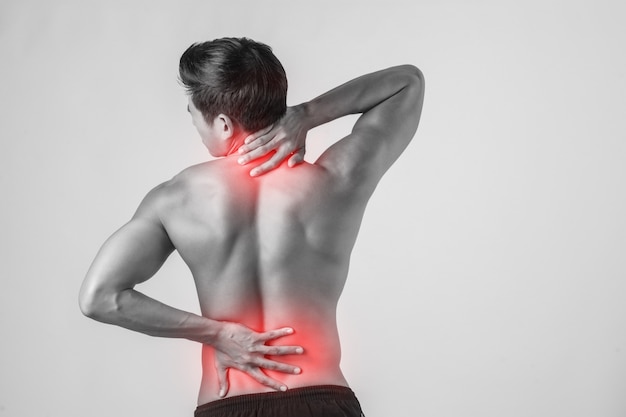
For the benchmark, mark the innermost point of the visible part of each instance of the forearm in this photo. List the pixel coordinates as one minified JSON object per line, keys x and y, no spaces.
{"x":358,"y":95}
{"x":136,"y":311}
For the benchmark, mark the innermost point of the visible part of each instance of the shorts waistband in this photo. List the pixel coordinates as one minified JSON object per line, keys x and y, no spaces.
{"x":244,"y":402}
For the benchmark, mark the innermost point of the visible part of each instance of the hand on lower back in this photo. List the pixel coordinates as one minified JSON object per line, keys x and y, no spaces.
{"x":239,"y":347}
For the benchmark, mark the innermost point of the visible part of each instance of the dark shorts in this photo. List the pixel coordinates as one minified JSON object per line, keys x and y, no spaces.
{"x":315,"y":401}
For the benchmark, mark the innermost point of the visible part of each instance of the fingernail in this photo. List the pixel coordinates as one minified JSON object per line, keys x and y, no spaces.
{"x":289,"y":330}
{"x":283,"y":388}
{"x":299,"y":350}
{"x":241,"y":161}
{"x":241,"y":150}
{"x":297,"y":371}
{"x":254,"y":173}
{"x":222,"y":393}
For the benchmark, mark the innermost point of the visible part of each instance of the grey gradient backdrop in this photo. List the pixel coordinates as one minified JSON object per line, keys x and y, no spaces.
{"x":489,"y":276}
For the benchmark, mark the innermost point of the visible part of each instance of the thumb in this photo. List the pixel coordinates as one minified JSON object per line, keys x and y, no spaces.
{"x":296,"y":158}
{"x":222,"y":378}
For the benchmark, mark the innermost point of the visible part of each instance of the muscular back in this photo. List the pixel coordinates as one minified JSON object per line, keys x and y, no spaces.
{"x":267,"y":252}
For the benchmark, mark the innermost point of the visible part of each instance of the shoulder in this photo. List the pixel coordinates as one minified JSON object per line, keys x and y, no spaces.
{"x":161,"y":199}
{"x":190,"y":177}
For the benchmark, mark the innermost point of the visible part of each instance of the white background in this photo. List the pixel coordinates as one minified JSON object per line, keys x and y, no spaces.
{"x":489,"y":278}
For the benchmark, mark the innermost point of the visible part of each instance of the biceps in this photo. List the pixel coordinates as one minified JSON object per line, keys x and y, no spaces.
{"x":130,"y":256}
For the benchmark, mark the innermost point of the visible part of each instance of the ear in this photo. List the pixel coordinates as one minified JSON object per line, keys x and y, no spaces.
{"x":225,"y":126}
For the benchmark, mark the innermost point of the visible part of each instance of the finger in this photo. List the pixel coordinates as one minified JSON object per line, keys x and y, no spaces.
{"x":260,"y":141}
{"x":254,"y":154}
{"x":277,"y":350}
{"x":296,"y":158}
{"x":261,"y":378}
{"x":270,"y":164}
{"x":278,"y":366}
{"x":251,"y":137}
{"x":275,"y":334}
{"x":222,"y":378}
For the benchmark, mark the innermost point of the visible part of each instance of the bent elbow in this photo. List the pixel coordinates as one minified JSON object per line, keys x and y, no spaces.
{"x":87,"y":303}
{"x":93,"y":303}
{"x":411,"y":69}
{"x":414,"y":75}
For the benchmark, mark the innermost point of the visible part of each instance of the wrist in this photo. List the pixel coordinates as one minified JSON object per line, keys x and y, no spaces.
{"x":208,"y":332}
{"x":306,"y":115}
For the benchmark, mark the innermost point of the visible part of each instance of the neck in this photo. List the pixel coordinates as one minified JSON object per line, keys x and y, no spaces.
{"x":236,"y":143}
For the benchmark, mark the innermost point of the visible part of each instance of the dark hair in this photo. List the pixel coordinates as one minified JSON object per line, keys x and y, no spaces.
{"x":238,"y":77}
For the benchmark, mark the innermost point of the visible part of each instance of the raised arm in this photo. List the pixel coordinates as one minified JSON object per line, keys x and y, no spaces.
{"x":132,"y":255}
{"x":390,"y":102}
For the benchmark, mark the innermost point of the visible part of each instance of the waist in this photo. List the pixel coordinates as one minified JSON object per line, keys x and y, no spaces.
{"x":315,"y":330}
{"x":259,"y":401}
{"x":319,"y":367}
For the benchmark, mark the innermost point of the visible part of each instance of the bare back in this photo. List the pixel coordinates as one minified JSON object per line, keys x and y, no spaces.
{"x":267,"y":252}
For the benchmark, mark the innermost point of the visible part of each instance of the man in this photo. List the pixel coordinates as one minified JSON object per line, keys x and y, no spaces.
{"x":268,"y":247}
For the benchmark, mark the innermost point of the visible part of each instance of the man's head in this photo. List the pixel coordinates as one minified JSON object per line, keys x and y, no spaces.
{"x":236,"y":81}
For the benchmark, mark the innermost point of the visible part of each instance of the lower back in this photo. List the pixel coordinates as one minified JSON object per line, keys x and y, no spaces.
{"x":319,"y":363}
